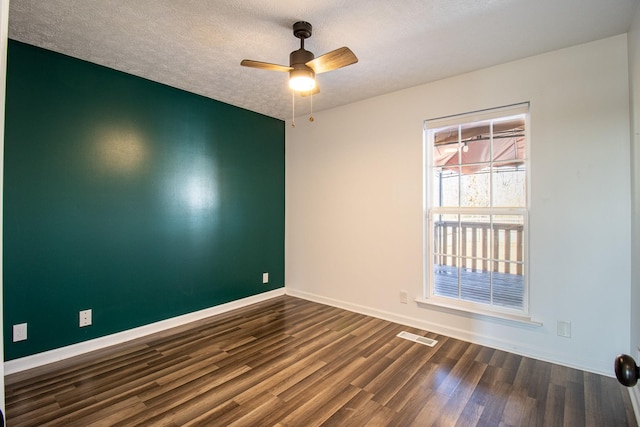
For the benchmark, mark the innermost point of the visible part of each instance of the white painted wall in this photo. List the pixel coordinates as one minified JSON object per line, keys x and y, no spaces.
{"x":634,"y":81}
{"x":354,"y":202}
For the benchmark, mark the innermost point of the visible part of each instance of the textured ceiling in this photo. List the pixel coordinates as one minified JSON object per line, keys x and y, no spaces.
{"x":197,"y":45}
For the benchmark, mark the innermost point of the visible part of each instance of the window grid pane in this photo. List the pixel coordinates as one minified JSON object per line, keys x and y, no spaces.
{"x":480,"y":258}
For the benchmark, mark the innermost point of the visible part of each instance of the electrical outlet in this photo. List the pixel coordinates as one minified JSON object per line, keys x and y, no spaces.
{"x":265,"y":277}
{"x":564,"y":329}
{"x":19,"y":332}
{"x":404,"y":297}
{"x":85,"y":318}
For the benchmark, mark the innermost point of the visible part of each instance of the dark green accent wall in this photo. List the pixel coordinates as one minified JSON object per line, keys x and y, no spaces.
{"x":135,"y":199}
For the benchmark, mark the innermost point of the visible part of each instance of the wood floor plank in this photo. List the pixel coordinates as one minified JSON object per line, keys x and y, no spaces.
{"x":574,"y":410}
{"x":460,"y":395}
{"x":495,"y":401}
{"x":173,"y":396}
{"x":321,"y":406}
{"x":415,"y":391}
{"x":282,"y":380}
{"x":470,"y":415}
{"x":215,"y":415}
{"x":292,"y":362}
{"x":395,"y":378}
{"x":516,"y":408}
{"x":372,"y":414}
{"x":110,"y":414}
{"x":430,"y":412}
{"x":554,"y":407}
{"x":343,"y":415}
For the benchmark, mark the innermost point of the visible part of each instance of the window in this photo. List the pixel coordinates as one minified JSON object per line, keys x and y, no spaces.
{"x":476,"y":175}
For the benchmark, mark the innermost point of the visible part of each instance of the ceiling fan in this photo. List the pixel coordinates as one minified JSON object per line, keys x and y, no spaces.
{"x":303,"y":66}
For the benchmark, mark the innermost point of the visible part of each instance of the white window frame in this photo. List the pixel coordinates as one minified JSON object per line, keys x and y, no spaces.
{"x":429,"y":211}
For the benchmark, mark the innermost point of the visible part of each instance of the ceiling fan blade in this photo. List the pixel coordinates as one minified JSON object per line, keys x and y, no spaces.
{"x":265,"y":65}
{"x":333,"y":60}
{"x":311,"y":92}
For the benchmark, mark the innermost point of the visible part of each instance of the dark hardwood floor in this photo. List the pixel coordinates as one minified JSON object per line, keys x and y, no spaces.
{"x":291,"y":362}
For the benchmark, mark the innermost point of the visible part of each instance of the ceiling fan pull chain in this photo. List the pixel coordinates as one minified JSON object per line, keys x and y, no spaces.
{"x":311,"y":113}
{"x":293,"y":109}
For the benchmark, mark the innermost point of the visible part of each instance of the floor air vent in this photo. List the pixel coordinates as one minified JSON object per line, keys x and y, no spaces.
{"x":417,"y":338}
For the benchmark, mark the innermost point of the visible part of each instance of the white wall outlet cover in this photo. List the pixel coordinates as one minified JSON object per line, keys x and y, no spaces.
{"x":85,"y":318}
{"x":19,"y":332}
{"x":265,"y":277}
{"x":404,"y":297}
{"x":564,"y":329}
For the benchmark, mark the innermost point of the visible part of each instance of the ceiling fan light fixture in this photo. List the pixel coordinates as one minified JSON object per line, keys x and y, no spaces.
{"x":303,"y":65}
{"x":302,"y":80}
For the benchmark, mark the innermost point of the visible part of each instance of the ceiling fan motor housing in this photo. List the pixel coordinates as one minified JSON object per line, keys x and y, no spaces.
{"x":300,"y":57}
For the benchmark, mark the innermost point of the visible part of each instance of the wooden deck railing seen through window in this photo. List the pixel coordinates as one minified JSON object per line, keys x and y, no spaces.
{"x":479,"y":246}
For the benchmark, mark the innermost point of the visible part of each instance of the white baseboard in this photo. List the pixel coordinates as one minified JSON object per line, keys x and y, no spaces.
{"x":461,"y":334}
{"x":634,"y":393}
{"x":55,"y":355}
{"x":58,"y":354}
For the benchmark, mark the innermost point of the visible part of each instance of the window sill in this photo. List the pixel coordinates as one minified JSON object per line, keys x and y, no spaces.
{"x":517,"y":318}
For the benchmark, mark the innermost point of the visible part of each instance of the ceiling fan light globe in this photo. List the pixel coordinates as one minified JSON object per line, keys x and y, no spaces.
{"x":302,"y":83}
